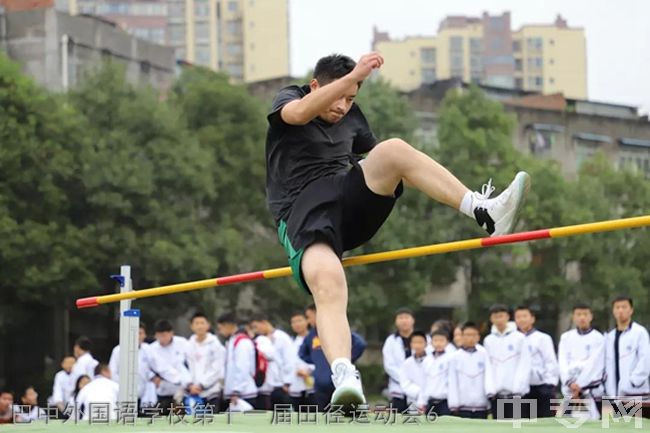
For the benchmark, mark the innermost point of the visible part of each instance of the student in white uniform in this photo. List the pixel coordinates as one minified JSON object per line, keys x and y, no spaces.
{"x":101,"y":391}
{"x":240,"y":363}
{"x":510,"y":359}
{"x":412,"y":376}
{"x":301,"y":389}
{"x":627,"y":354}
{"x":206,"y":361}
{"x":581,"y":359}
{"x":146,"y":388}
{"x":446,"y":326}
{"x":28,"y":409}
{"x":470,"y":377}
{"x":168,"y":356}
{"x":545,"y":372}
{"x":395,"y":350}
{"x":63,"y":386}
{"x":281,"y":368}
{"x":85,"y":363}
{"x":436,"y":382}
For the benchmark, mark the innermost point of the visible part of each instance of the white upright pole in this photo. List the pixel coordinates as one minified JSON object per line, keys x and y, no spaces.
{"x":129,"y":342}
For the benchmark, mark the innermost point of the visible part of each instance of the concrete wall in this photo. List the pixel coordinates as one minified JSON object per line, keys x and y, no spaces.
{"x":34,"y":39}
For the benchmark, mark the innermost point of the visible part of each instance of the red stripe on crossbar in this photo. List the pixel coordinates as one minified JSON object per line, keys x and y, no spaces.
{"x":87,"y":302}
{"x":516,"y":237}
{"x":241,"y":278}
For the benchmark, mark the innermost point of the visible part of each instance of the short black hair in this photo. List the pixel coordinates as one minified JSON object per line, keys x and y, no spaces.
{"x":333,"y":67}
{"x":581,"y":306}
{"x":499,"y":308}
{"x":101,"y":367}
{"x":404,"y":310}
{"x":440,"y":332}
{"x":311,"y":307}
{"x":6,"y":391}
{"x":525,"y":308}
{"x":84,"y":343}
{"x":227,"y":318}
{"x":470,"y":325}
{"x":198,"y":315}
{"x":259,"y":317}
{"x":27,"y":388}
{"x":163,"y":325}
{"x":417,"y":333}
{"x":297,"y":313}
{"x":621,"y":298}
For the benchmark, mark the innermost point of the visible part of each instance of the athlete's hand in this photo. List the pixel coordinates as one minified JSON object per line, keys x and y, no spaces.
{"x":366,"y":64}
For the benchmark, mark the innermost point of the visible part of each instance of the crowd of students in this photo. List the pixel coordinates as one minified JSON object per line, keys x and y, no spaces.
{"x":445,"y":370}
{"x":449,"y":372}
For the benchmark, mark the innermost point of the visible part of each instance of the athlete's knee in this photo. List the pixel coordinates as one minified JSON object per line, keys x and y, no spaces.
{"x":326,"y":283}
{"x":393,"y":149}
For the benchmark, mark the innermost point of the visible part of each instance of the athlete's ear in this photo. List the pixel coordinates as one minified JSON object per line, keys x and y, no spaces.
{"x":313,"y":84}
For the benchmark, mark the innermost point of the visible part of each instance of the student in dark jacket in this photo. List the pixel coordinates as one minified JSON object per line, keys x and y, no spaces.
{"x":311,"y":352}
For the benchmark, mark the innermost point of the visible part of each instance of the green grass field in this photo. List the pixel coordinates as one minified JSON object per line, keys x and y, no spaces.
{"x":254,"y":423}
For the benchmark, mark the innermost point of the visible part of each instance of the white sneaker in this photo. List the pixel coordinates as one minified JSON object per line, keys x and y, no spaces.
{"x":498,"y":215}
{"x":349,"y":392}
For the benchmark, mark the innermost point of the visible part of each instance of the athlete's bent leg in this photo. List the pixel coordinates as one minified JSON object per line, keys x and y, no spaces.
{"x":394,"y":160}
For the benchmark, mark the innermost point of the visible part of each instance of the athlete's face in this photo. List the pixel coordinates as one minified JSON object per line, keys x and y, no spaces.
{"x":341,"y":106}
{"x":582,"y":318}
{"x":622,"y":311}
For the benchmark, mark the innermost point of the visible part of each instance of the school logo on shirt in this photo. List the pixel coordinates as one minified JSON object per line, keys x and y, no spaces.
{"x":441,"y":367}
{"x":510,"y":347}
{"x":629,"y":348}
{"x":315,"y":343}
{"x":587,"y":347}
{"x":481,"y":364}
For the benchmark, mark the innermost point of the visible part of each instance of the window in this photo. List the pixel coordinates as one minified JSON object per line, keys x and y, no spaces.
{"x":202,"y":31}
{"x":456,"y":43}
{"x":176,"y":10}
{"x":516,"y":46}
{"x":535,"y":82}
{"x":519,"y":65}
{"x":203,"y":55}
{"x":519,"y":83}
{"x":585,"y":150}
{"x":551,"y":80}
{"x":234,"y":49}
{"x":235,"y":70}
{"x":475,"y":45}
{"x":201,"y":8}
{"x":542,"y":137}
{"x":176,"y":33}
{"x":535,"y":44}
{"x":475,"y":62}
{"x":535,"y":63}
{"x":428,"y":75}
{"x":181,"y":53}
{"x":233,"y":27}
{"x":233,"y":5}
{"x":428,"y":55}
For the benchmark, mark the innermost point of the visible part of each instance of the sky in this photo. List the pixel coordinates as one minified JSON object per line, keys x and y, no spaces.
{"x":617,"y":33}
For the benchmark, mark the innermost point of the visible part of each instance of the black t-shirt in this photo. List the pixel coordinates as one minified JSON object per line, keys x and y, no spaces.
{"x":296,"y":155}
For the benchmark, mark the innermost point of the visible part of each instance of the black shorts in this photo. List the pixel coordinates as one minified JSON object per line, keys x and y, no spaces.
{"x":340,"y":211}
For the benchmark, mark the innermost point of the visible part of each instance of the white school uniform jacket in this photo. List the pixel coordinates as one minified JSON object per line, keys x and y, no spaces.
{"x":470,"y":380}
{"x":581,"y":359}
{"x":544,"y":367}
{"x":146,"y":388}
{"x":412,"y":377}
{"x":436,"y":377}
{"x":63,"y":388}
{"x":207,"y":363}
{"x":298,"y":385}
{"x":170,"y":364}
{"x":240,"y":368}
{"x":281,"y":369}
{"x":633,"y":362}
{"x":84,"y":365}
{"x":394,"y":355}
{"x":98,"y":391}
{"x":510,"y":360}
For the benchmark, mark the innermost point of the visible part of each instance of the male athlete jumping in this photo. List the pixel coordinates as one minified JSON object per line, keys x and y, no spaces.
{"x":326,"y":199}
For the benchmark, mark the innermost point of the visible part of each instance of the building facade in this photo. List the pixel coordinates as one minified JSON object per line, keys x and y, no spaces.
{"x":542,"y":58}
{"x":248,"y":39}
{"x":57,"y":49}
